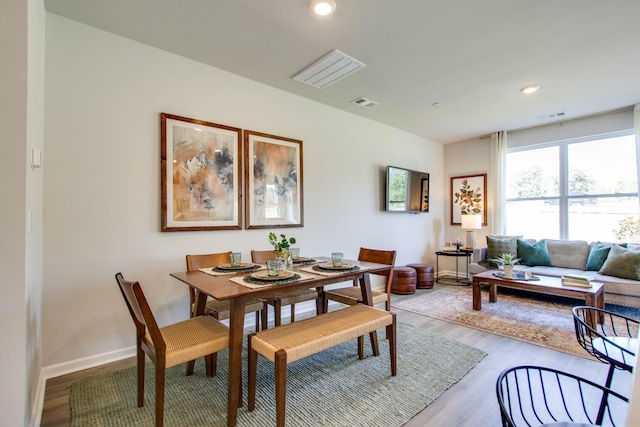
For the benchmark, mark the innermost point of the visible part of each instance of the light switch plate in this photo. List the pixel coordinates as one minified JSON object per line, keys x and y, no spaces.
{"x":36,"y":158}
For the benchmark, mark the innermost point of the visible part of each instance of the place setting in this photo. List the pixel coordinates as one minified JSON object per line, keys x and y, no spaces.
{"x":236,"y":266}
{"x":273,"y":275}
{"x":335,"y":266}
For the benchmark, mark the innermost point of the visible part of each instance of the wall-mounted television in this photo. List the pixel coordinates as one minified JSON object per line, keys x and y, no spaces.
{"x":406,"y":190}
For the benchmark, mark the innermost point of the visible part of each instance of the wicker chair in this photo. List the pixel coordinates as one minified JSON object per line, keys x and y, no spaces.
{"x":289,"y":298}
{"x":352,"y":295}
{"x":170,"y":345}
{"x":612,"y":340}
{"x":534,"y":396}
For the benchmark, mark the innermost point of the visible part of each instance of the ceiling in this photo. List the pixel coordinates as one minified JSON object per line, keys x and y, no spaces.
{"x":447,"y":70}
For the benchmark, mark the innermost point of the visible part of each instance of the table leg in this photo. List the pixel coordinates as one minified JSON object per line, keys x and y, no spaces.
{"x":477,"y":299}
{"x":236,"y":334}
{"x":493,"y":292}
{"x":600,"y":304}
{"x":365,"y":287}
{"x":596,"y":301}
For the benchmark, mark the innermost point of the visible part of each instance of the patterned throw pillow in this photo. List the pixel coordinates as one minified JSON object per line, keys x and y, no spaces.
{"x":498,"y":245}
{"x":533,"y":254}
{"x":622,"y":262}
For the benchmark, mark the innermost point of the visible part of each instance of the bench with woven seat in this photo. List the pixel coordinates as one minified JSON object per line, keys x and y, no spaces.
{"x":294,"y":341}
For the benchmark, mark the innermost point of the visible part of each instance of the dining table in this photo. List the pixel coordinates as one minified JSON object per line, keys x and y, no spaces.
{"x":230,"y":287}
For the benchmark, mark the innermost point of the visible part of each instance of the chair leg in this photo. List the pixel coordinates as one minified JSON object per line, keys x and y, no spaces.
{"x":265,"y":315}
{"x":281,"y":386}
{"x":160,"y":373}
{"x":140,"y":362}
{"x":612,"y":369}
{"x":211,"y":362}
{"x":373,"y":336}
{"x":325,"y":309}
{"x":277,"y":311}
{"x":391,"y":333}
{"x":360,"y":347}
{"x":252,"y":358}
{"x":257,"y":321}
{"x":293,"y":312}
{"x":190,"y":365}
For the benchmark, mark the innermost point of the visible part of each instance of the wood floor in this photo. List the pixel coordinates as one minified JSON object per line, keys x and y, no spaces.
{"x":469,"y":403}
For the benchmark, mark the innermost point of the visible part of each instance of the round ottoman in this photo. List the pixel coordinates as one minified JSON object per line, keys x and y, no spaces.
{"x":424,"y":274}
{"x":404,"y":281}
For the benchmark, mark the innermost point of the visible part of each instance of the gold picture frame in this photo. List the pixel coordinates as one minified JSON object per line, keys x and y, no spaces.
{"x":273,"y":181}
{"x":201,"y":164}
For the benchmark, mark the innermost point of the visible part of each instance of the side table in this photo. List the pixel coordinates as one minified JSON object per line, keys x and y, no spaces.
{"x":454,"y":280}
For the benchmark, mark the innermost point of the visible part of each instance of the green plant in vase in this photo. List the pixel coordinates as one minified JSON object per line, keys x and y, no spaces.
{"x":281,"y":247}
{"x":508,"y":260}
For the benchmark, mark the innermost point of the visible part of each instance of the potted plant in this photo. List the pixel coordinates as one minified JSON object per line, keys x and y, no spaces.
{"x":281,"y":247}
{"x":508,"y":260}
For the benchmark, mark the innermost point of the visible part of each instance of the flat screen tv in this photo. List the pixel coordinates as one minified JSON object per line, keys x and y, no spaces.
{"x":406,"y":190}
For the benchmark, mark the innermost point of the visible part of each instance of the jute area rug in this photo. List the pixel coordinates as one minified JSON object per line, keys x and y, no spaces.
{"x":544,"y":320}
{"x":332,"y":388}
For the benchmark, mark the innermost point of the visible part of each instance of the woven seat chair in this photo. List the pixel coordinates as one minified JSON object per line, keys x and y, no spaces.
{"x":535,"y":396}
{"x":352,"y":295}
{"x":290,"y":298}
{"x":613,"y":339}
{"x":170,"y":345}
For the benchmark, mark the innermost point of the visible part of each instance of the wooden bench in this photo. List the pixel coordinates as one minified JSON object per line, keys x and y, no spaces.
{"x":294,"y":341}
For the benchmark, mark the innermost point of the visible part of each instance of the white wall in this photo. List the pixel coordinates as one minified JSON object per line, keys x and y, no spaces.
{"x":104,"y":95}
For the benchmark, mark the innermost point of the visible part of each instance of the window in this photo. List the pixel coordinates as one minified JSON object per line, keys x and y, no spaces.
{"x":583,"y":189}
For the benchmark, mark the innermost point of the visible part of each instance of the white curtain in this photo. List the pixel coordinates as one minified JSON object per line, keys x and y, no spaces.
{"x":497,"y":220}
{"x":636,"y":130}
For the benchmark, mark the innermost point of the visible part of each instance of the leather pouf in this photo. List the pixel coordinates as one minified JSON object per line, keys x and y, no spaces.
{"x":424,"y":274}
{"x":404,"y":281}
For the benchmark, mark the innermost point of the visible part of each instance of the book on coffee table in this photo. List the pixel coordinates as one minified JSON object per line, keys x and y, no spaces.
{"x":576,"y":280}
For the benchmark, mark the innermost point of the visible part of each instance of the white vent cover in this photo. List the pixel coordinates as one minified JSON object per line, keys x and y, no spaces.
{"x":328,"y":70}
{"x":551,"y":116}
{"x":364,"y":102}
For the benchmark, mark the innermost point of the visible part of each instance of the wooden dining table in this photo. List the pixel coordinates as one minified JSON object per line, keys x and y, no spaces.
{"x":222,"y":288}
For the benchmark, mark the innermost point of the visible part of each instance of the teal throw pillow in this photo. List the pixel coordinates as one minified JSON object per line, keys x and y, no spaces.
{"x":497,"y":246}
{"x":533,"y":254}
{"x":598,"y":255}
{"x":622,"y":262}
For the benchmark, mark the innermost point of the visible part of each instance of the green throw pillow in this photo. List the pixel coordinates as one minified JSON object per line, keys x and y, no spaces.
{"x":533,"y":254}
{"x":497,"y":246}
{"x":598,"y":255}
{"x":623,"y":263}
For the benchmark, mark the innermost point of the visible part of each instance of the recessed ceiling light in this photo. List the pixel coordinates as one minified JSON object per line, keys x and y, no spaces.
{"x":323,"y":7}
{"x":529,"y":89}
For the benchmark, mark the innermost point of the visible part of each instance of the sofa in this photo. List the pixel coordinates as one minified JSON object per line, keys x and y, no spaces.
{"x":616,"y":265}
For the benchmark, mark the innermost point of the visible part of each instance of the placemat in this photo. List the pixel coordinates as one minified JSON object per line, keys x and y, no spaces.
{"x":253,"y":283}
{"x":215,"y":271}
{"x":316,"y":270}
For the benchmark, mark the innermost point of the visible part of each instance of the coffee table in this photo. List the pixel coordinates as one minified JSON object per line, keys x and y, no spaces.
{"x":593,"y":296}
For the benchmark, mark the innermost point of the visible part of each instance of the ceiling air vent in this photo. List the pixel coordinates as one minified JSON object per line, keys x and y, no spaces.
{"x":551,"y":116}
{"x":328,"y":70}
{"x":364,"y":102}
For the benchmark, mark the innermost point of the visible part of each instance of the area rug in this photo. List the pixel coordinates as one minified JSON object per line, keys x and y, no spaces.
{"x":544,"y":320}
{"x":331,"y":388}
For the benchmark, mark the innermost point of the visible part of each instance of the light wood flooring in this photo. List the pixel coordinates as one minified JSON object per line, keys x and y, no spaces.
{"x":469,"y":403}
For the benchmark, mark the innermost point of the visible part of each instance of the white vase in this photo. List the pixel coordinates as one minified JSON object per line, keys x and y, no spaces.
{"x":508,"y":271}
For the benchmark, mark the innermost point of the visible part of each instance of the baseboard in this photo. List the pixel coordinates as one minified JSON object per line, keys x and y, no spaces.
{"x":38,"y":402}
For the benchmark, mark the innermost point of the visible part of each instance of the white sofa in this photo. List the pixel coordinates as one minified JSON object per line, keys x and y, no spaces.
{"x":571,"y":257}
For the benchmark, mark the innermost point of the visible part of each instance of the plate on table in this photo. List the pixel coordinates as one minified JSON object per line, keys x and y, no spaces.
{"x":242,"y":266}
{"x":329,"y":266}
{"x":264,"y":275}
{"x":301,"y":259}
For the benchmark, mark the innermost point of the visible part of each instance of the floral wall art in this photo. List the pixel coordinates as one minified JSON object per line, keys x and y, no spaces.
{"x":468,"y":197}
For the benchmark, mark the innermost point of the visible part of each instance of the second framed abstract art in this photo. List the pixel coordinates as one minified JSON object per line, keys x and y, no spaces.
{"x":273,"y":181}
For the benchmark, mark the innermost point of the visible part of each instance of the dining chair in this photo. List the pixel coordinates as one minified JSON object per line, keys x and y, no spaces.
{"x":612,"y":340}
{"x":171,"y":345}
{"x":218,"y":309}
{"x":537,"y":396}
{"x":286,"y":298}
{"x":352,"y":295}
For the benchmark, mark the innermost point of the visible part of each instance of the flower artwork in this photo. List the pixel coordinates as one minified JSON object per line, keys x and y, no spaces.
{"x":468,"y":197}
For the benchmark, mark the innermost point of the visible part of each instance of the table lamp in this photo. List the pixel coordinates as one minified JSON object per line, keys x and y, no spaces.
{"x":471,"y":223}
